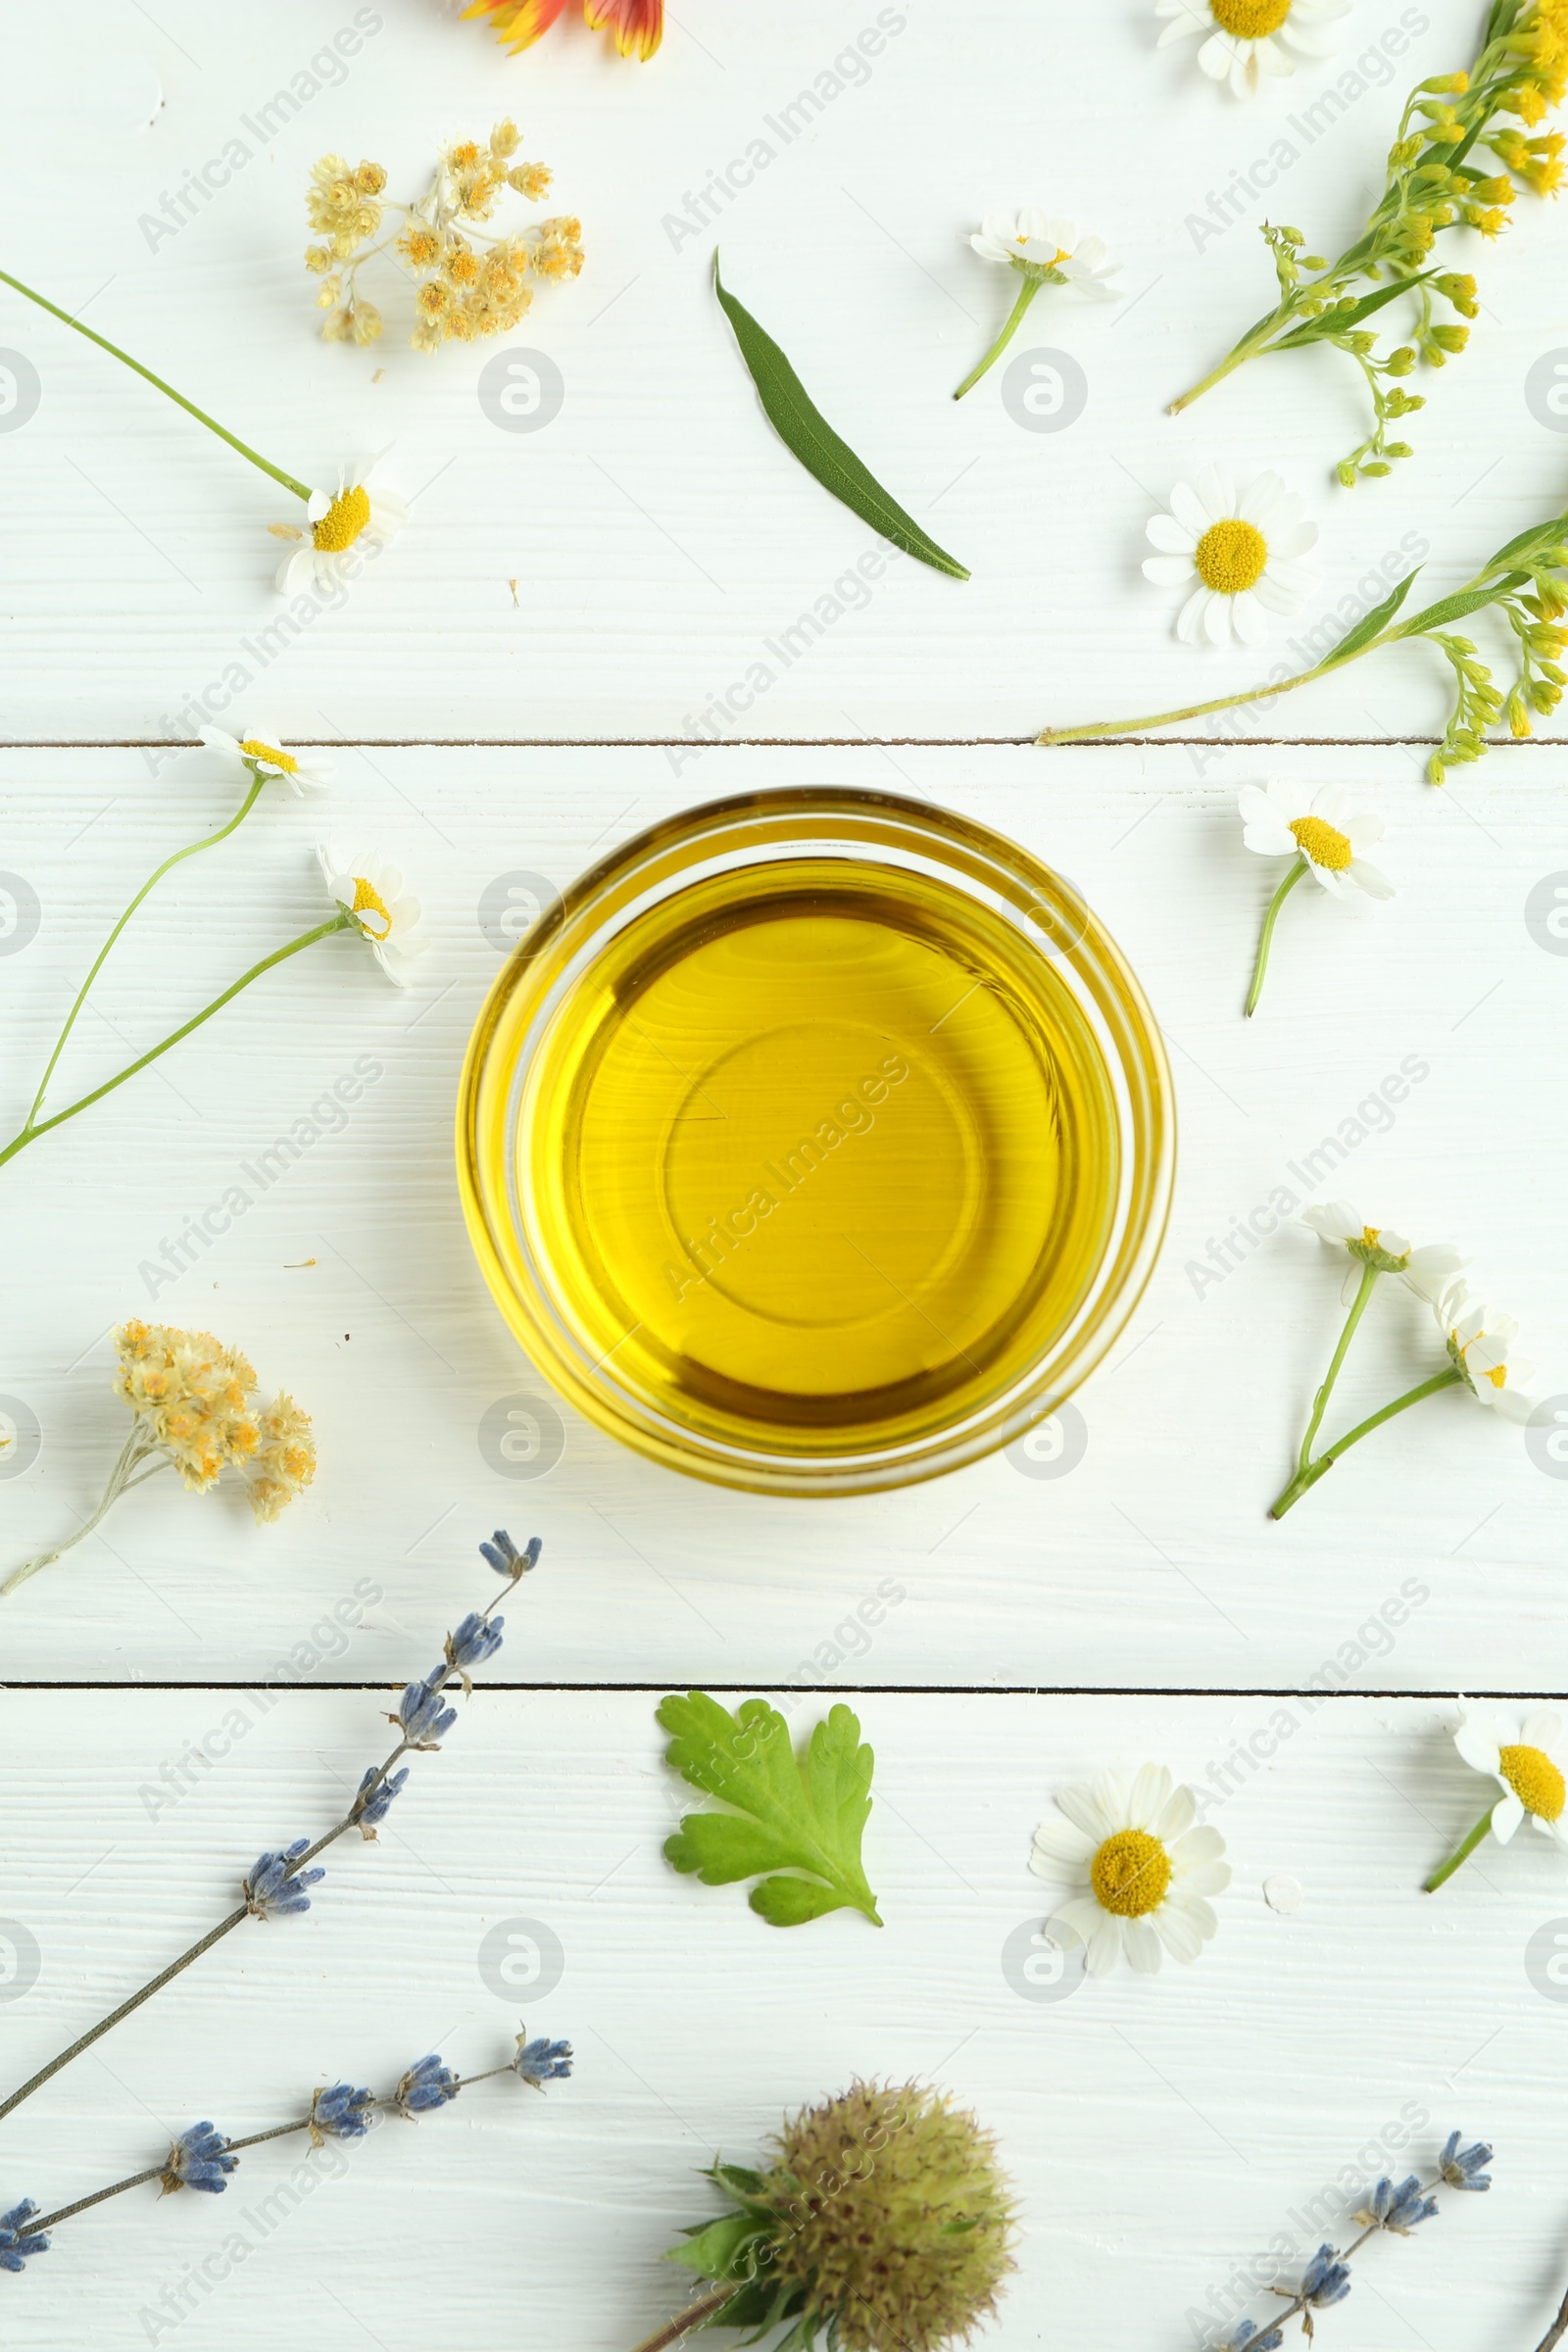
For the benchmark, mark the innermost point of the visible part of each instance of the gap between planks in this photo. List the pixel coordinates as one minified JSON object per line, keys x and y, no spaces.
{"x":786,"y":743}
{"x":835,"y":1690}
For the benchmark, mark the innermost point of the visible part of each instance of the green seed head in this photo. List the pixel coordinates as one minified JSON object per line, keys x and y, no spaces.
{"x":897,"y":2221}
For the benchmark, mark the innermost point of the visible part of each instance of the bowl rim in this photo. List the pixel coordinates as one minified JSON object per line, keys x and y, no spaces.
{"x":664,"y":853}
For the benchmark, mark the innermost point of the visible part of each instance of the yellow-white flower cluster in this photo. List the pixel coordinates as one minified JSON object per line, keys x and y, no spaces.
{"x":198,"y":1404}
{"x":468,"y":283}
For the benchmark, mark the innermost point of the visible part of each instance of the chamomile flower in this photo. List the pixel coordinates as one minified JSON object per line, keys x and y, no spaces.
{"x":1142,"y":1872}
{"x":261,"y":749}
{"x":1291,"y":820}
{"x":1039,"y":246}
{"x":372,"y":892}
{"x":1246,"y":40}
{"x":1043,"y":252}
{"x":360,"y":515}
{"x":1480,"y":1344}
{"x":1323,"y":836}
{"x":1238,"y":553}
{"x":1429,"y":1270}
{"x":1516,"y":1750}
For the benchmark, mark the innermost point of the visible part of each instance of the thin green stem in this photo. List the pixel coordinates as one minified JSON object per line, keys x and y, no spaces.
{"x":132,"y":1453}
{"x":696,"y":2314}
{"x":1249,"y":348}
{"x":1026,"y":294}
{"x":1441,"y":1878}
{"x":1359,"y":1307}
{"x":1449,"y":1378}
{"x":1224,"y":701}
{"x":341,"y":921}
{"x":1260,"y":967}
{"x":193,"y":850}
{"x":300,"y":489}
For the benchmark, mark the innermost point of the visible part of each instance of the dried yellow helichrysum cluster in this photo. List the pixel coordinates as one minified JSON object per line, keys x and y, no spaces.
{"x":469,"y":281}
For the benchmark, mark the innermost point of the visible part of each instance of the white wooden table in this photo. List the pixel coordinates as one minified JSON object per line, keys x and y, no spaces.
{"x":522,"y":683}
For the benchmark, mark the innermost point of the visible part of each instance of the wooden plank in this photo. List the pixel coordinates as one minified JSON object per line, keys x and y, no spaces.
{"x":1161,"y":2131}
{"x":661,"y":540}
{"x":1151,"y":1563}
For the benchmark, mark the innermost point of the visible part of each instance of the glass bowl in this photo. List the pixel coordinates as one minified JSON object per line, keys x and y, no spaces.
{"x":817,"y":1142}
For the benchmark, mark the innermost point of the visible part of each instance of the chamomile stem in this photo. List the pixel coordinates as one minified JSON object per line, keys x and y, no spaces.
{"x":192,"y":849}
{"x":1441,"y":1878}
{"x":341,"y":921}
{"x":1026,"y":294}
{"x":1359,"y":1307}
{"x":300,"y":489}
{"x":696,"y":2314}
{"x":1449,"y":1378}
{"x":1260,"y":967}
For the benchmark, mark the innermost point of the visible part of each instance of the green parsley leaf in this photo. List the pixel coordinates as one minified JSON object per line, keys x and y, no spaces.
{"x":804,"y":1815}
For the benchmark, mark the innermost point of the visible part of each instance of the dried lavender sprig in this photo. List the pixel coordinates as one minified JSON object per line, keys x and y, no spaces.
{"x":1396,"y":2206}
{"x":277,"y":1882}
{"x":202,"y":2158}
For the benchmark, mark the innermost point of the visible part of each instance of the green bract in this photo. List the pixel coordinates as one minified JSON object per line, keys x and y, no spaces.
{"x":884,"y":2224}
{"x":802,"y":1817}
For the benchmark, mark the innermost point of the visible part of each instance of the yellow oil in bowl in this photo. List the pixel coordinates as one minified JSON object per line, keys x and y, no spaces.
{"x":795,"y":1146}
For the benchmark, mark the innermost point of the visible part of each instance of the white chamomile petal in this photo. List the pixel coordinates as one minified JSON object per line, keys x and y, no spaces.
{"x":1167,"y":571}
{"x":372,"y":892}
{"x":358,"y":520}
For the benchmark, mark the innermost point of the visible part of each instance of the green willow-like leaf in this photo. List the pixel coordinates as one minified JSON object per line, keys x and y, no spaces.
{"x":803,"y":1817}
{"x":1372,"y":624}
{"x":806,"y":432}
{"x":1461,"y":607}
{"x":1344,"y":322}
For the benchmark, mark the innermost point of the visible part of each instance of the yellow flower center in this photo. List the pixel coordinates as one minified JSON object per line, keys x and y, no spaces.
{"x":255,"y":750}
{"x":345,"y":518}
{"x":1044,"y":261}
{"x":1249,"y":20}
{"x":1535,"y":1781}
{"x":1326,"y":846}
{"x":1130,"y":1874}
{"x":371,"y":909}
{"x":1231,"y":556}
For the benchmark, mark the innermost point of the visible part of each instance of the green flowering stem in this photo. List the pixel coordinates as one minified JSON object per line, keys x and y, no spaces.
{"x":696,"y":2314}
{"x":1307,"y":1476}
{"x":135,"y":1450}
{"x":1260,"y":967}
{"x":1224,"y":701}
{"x":192,"y":849}
{"x":342,"y":920}
{"x":1441,"y":1878}
{"x":299,"y":489}
{"x":1247,"y":349}
{"x":1026,"y":294}
{"x":1359,"y":1307}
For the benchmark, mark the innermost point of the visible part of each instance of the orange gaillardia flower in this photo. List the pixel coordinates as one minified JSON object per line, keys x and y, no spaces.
{"x":637,"y":25}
